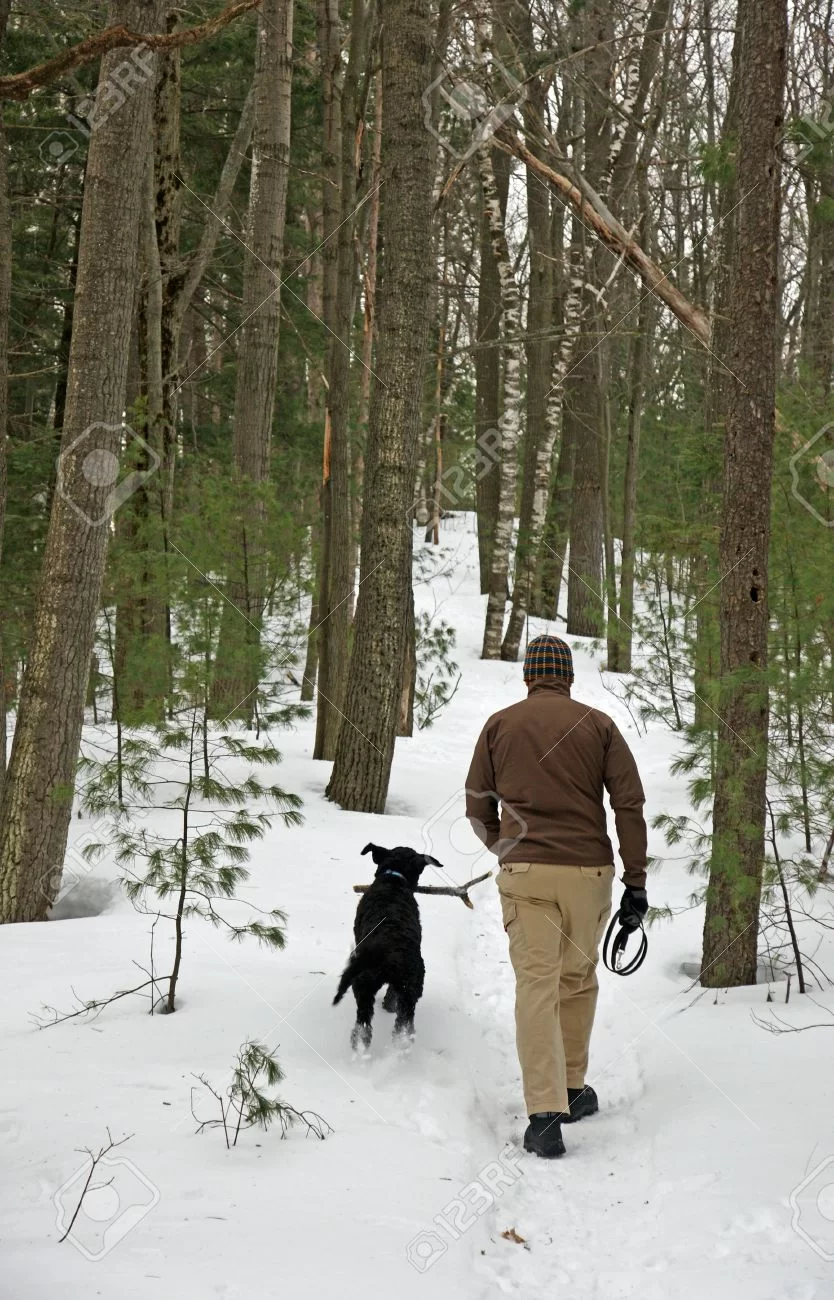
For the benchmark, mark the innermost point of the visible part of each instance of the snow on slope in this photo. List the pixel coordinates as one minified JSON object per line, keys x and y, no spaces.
{"x":682,"y":1183}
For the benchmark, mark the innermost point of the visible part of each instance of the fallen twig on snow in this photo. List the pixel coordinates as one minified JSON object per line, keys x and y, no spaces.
{"x":94,"y":1160}
{"x":450,"y":891}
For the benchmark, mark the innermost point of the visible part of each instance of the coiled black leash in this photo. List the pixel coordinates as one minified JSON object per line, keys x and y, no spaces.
{"x":613,"y":949}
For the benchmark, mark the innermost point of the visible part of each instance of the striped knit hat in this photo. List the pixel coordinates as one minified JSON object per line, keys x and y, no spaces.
{"x":548,"y":656}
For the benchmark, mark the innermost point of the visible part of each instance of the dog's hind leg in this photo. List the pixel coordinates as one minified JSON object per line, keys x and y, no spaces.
{"x":408,"y":994}
{"x":365,"y":989}
{"x":404,"y":1023}
{"x":389,"y":1002}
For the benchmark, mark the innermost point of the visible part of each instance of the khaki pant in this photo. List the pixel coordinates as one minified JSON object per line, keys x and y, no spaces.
{"x":555,"y":917}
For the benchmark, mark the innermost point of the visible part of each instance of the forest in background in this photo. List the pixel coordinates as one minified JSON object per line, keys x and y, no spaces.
{"x":284,"y":285}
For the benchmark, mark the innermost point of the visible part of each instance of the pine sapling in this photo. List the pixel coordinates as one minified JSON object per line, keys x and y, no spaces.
{"x":197,"y":861}
{"x":246,"y":1104}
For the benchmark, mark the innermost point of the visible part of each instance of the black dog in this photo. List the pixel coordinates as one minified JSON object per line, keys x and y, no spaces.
{"x":387,"y":936}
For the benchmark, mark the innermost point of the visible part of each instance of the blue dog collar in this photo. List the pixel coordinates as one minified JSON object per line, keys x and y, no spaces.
{"x":389,"y":872}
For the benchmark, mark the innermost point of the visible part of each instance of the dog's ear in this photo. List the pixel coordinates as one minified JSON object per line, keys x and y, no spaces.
{"x":376,"y":852}
{"x":430,"y":861}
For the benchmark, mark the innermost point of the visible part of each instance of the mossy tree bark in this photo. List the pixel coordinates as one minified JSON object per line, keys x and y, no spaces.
{"x":365,"y":747}
{"x":36,"y":808}
{"x":734,"y":893}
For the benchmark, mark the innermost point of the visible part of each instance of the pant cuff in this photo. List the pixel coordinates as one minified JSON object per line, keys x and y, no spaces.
{"x":539,"y":1105}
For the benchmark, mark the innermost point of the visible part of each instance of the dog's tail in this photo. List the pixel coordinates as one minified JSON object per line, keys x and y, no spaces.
{"x":355,"y":964}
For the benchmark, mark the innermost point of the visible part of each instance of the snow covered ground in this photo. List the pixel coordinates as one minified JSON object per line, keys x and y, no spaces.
{"x":708,"y":1172}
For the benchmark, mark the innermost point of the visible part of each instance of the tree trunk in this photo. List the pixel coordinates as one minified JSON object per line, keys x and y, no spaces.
{"x":538,"y":435}
{"x":583,"y":421}
{"x":38,"y":796}
{"x":330,"y":57}
{"x":510,"y":422}
{"x":544,"y":564}
{"x":818,"y":322}
{"x":366,"y":739}
{"x":488,"y":374}
{"x":368,"y":325}
{"x":239,"y":657}
{"x":538,"y":438}
{"x":640,"y":345}
{"x":584,"y":396}
{"x":715,"y":409}
{"x":733,"y":895}
{"x":143,"y":615}
{"x":5,"y":307}
{"x":405,"y":726}
{"x":556,"y":528}
{"x":338,"y":575}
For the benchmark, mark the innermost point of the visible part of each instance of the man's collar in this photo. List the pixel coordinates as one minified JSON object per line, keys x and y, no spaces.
{"x":558,"y":684}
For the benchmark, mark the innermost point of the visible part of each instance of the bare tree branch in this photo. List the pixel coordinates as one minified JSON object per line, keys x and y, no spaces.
{"x":21,"y":84}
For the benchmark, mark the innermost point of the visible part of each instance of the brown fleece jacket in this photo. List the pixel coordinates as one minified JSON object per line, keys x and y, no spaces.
{"x":547,"y":759}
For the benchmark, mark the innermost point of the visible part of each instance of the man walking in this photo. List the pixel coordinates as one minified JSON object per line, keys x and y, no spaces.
{"x":547,"y":760}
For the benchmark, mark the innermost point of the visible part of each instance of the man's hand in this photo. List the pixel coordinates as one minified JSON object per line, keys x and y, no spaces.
{"x":633,"y":907}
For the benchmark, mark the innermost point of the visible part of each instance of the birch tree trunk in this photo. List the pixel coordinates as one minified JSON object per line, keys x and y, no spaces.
{"x":738,"y":847}
{"x":365,"y":747}
{"x":509,"y":423}
{"x":37,"y":801}
{"x":239,"y":657}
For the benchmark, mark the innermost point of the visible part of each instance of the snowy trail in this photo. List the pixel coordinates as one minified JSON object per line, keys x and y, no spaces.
{"x":681,"y":1183}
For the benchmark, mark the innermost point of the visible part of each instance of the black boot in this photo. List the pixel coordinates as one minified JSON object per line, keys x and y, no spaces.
{"x":544,"y":1135}
{"x":582,"y":1102}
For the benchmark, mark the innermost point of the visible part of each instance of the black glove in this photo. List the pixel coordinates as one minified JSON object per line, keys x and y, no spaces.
{"x":633,"y":907}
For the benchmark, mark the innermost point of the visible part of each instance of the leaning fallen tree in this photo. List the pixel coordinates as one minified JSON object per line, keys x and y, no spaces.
{"x":593,"y":209}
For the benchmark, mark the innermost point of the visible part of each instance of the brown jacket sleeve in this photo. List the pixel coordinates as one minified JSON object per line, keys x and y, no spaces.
{"x":481,"y":798}
{"x":625,"y":790}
